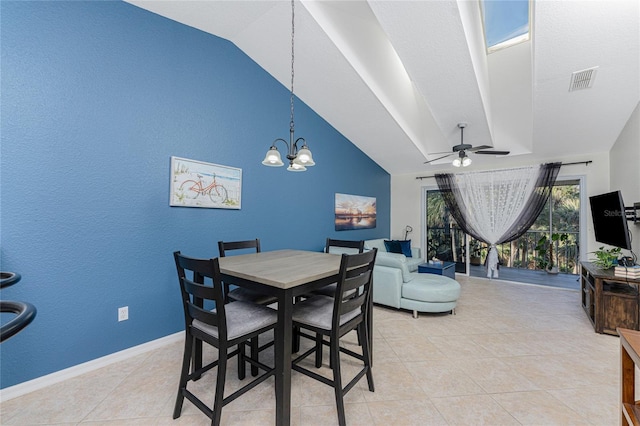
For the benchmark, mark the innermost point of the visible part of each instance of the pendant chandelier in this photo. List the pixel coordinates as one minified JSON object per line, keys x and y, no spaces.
{"x":299,"y":159}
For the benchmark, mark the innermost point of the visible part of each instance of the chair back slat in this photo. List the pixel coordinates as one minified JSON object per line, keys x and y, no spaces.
{"x":352,"y":296}
{"x":359,"y":245}
{"x":199,"y":290}
{"x":355,"y":301}
{"x":354,"y":284}
{"x":195,"y":293}
{"x":357,"y":281}
{"x":225,"y":246}
{"x":203,"y":315}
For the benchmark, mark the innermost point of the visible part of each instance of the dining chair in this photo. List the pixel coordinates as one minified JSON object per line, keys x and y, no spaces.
{"x":336,"y":247}
{"x":336,"y":316}
{"x":227,"y":325}
{"x":24,"y":312}
{"x":245,"y":294}
{"x":340,"y":246}
{"x":240,"y":293}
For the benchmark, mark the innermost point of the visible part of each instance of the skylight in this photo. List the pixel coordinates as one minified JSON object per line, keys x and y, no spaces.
{"x":506,"y":22}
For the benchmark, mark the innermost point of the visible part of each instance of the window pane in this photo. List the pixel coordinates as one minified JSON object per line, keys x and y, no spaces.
{"x":504,"y":20}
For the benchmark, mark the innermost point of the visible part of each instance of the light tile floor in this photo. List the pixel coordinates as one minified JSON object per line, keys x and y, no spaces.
{"x":513,"y":355}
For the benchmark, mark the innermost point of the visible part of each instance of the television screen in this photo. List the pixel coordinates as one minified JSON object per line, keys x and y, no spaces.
{"x":609,"y":220}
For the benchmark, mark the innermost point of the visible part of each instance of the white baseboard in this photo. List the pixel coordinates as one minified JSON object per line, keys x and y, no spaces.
{"x":68,"y":373}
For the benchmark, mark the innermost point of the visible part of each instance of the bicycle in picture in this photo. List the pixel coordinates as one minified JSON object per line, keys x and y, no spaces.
{"x":192,"y":189}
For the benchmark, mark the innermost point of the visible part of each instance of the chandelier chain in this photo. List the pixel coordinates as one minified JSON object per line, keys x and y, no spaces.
{"x":291,"y":125}
{"x":299,"y":157}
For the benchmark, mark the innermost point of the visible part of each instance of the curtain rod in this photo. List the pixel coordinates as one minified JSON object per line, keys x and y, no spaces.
{"x":586,"y":163}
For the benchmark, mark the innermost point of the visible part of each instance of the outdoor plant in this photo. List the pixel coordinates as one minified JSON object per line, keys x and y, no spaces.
{"x":555,"y":239}
{"x":475,"y":252}
{"x":545,"y":246}
{"x":607,"y":258}
{"x":542,"y":247}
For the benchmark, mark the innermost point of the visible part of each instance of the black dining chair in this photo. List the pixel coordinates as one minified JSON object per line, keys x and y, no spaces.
{"x":340,"y":246}
{"x":224,"y":327}
{"x":244,"y":294}
{"x":24,"y":312}
{"x":336,"y":316}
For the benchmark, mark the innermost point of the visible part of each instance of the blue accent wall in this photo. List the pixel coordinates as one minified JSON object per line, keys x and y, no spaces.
{"x":96,"y":98}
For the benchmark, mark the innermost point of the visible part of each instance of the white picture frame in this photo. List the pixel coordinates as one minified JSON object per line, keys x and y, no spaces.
{"x":199,"y":184}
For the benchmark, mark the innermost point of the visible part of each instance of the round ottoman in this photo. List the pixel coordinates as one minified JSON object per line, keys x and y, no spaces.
{"x":430,"y":293}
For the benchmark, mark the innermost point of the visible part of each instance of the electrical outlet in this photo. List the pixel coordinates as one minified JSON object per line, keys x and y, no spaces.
{"x":123,"y":313}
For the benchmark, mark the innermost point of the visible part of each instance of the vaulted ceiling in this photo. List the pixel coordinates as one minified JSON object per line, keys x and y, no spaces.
{"x":396,"y":77}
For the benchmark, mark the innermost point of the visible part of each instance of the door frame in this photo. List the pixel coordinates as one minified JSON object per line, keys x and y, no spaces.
{"x":423,"y":218}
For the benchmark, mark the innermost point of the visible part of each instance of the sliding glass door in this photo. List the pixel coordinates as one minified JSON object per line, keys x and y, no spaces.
{"x":552,"y":244}
{"x":445,"y":241}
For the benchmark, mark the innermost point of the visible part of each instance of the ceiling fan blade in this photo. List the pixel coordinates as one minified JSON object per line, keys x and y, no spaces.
{"x":439,"y":158}
{"x":493,"y":152}
{"x":478,"y":148}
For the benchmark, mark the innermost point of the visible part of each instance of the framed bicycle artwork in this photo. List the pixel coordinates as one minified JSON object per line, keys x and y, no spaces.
{"x":199,"y":184}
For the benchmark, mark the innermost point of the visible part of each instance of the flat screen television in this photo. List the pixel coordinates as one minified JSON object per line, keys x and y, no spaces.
{"x":610,"y":220}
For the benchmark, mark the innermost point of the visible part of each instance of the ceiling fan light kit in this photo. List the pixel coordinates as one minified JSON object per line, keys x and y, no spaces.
{"x":463,"y":160}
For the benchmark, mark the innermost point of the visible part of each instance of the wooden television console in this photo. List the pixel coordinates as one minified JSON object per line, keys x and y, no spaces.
{"x":609,"y":301}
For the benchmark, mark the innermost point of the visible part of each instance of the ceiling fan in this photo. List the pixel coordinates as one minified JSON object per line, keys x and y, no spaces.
{"x":463,"y":148}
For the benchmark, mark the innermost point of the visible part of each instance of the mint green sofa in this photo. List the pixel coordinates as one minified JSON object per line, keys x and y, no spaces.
{"x":396,"y":283}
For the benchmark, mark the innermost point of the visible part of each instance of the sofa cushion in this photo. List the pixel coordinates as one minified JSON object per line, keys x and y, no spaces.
{"x":393,"y":246}
{"x":413,"y":262}
{"x":395,"y":260}
{"x":379,"y":244}
{"x":398,"y":246}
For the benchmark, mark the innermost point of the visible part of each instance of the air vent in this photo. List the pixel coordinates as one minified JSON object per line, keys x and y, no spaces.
{"x":582,"y":79}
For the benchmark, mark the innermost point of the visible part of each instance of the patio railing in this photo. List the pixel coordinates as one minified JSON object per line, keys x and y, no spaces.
{"x":521,"y":253}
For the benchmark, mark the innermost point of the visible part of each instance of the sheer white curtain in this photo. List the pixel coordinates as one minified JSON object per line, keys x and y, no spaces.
{"x":500,"y":205}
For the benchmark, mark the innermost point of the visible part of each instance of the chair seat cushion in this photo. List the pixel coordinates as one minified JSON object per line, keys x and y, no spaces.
{"x":431,"y":288}
{"x":317,"y":312}
{"x":241,"y":294}
{"x":242,"y":318}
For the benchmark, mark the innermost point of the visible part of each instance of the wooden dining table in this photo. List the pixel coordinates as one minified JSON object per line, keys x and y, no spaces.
{"x":284,"y":274}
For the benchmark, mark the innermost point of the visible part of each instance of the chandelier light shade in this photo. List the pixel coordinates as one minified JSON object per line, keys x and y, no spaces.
{"x":299,"y":158}
{"x":304,"y":157}
{"x":273,"y":159}
{"x":295,"y":167}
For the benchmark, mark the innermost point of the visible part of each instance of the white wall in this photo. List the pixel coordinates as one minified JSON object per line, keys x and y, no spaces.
{"x":406,"y":190}
{"x":624,"y":165}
